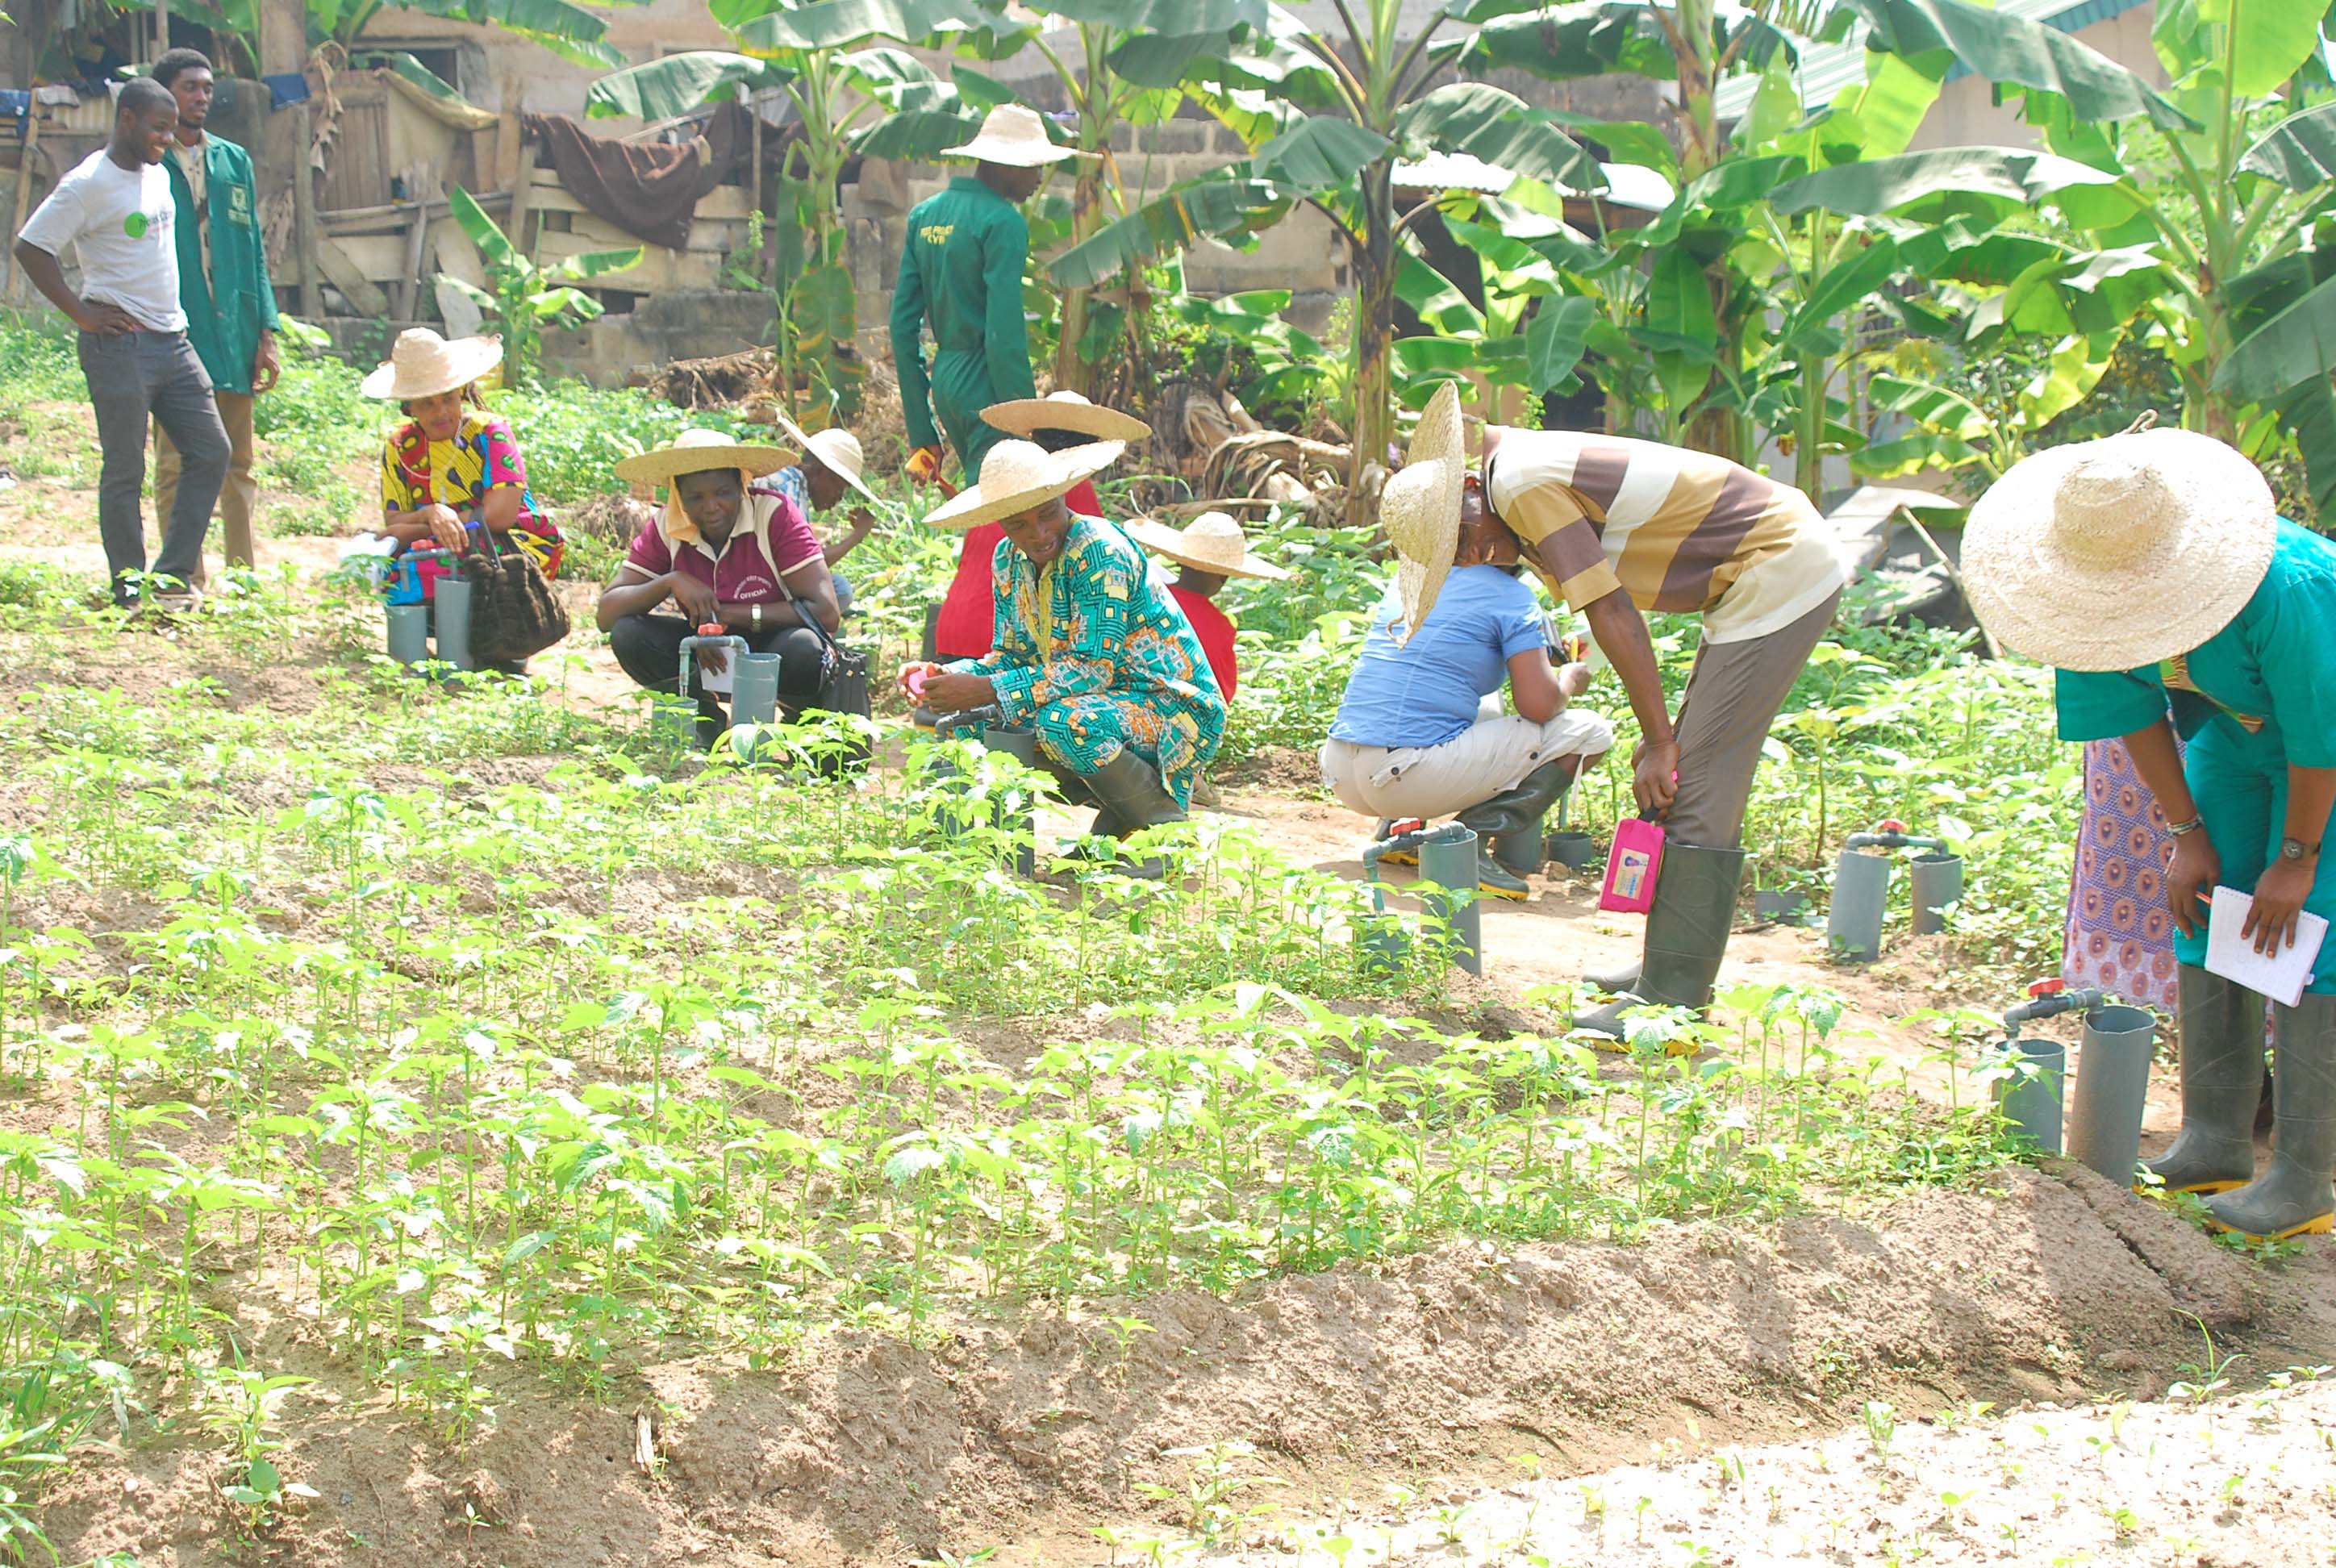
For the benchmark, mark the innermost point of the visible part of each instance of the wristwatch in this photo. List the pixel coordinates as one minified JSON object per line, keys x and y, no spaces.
{"x":2295,"y":850}
{"x":758,"y":618}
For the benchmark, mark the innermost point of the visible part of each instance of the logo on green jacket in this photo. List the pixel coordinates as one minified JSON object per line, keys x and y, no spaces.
{"x":238,"y":204}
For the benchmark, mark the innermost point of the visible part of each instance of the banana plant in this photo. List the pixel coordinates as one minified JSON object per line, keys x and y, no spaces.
{"x":526,"y":298}
{"x":1120,"y":62}
{"x":827,"y":61}
{"x":2228,"y":195}
{"x":1327,"y":113}
{"x":568,"y":30}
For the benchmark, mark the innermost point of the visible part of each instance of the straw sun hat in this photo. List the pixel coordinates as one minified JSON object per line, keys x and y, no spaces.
{"x":699,"y":451}
{"x":1014,"y":135}
{"x":422,"y":363}
{"x":1420,"y":507}
{"x":1017,"y":475}
{"x":1212,"y":542}
{"x":837,"y":449}
{"x":2111,"y":554}
{"x":1026,"y":416}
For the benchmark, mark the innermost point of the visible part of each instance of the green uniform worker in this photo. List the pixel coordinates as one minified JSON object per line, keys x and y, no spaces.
{"x":2151,"y":569}
{"x":225,"y":289}
{"x":961,"y":272}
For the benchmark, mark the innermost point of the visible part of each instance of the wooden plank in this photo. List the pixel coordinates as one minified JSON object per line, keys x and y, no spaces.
{"x":711,"y":238}
{"x":346,"y":275}
{"x":24,"y":203}
{"x":458,"y":257}
{"x":378,"y":258}
{"x":522,"y":202}
{"x":660,"y":268}
{"x":409,"y":275}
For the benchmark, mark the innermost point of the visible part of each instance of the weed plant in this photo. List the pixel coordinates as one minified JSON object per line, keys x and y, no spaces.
{"x":467,"y":1032}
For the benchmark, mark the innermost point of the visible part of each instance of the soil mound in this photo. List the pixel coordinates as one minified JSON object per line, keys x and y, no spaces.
{"x":1026,"y":1429}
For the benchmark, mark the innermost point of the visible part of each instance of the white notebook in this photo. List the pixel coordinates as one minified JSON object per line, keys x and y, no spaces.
{"x":2279,"y":975}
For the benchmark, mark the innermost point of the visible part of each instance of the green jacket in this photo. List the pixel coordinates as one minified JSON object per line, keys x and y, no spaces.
{"x":961,"y":274}
{"x":226,"y":311}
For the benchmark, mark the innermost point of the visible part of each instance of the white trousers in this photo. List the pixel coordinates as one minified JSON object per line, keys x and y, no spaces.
{"x":1490,"y":755}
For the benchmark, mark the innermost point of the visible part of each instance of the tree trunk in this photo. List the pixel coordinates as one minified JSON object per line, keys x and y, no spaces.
{"x":1374,"y":256}
{"x":1072,"y":373}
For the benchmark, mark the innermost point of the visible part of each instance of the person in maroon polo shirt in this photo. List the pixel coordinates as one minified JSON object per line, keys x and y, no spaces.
{"x":745,"y":562}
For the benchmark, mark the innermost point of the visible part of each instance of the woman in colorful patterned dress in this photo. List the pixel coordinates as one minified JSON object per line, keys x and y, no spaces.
{"x":1089,"y":649}
{"x":452,"y":475}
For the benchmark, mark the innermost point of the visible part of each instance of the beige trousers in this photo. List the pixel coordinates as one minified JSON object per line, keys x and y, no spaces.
{"x":1489,"y":756}
{"x":238,"y":497}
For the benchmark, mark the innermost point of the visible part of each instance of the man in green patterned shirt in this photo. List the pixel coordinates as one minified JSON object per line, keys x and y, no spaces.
{"x":961,"y":266}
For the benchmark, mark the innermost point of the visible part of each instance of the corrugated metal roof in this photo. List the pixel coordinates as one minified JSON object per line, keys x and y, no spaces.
{"x":1824,"y":72}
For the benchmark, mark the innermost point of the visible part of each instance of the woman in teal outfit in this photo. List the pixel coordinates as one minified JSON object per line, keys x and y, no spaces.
{"x":2152,"y":570}
{"x":1090,"y":651}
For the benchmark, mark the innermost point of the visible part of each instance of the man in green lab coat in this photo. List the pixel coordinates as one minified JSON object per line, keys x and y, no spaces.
{"x":224,"y":287}
{"x":961,"y":274}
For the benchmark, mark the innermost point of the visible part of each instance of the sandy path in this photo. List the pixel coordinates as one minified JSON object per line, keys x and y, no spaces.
{"x":2247,"y":1478}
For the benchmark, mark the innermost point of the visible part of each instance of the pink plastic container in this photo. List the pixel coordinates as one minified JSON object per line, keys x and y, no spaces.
{"x":1631,"y":869}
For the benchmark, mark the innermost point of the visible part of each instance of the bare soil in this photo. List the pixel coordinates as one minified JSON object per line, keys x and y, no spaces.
{"x":1026,"y":1427}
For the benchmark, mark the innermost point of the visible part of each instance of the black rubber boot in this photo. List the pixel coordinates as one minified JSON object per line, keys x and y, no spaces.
{"x":1129,"y":792}
{"x":2294,"y":1197}
{"x":1510,"y":823}
{"x":1617,"y":980}
{"x":1495,"y":878}
{"x":1687,"y":934}
{"x":2222,"y":1079}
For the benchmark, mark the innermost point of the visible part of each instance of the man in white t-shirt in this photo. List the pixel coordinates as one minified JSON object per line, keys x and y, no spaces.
{"x":115,"y":209}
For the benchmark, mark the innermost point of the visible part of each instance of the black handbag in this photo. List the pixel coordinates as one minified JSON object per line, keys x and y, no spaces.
{"x":843,"y":685}
{"x":514,"y":614}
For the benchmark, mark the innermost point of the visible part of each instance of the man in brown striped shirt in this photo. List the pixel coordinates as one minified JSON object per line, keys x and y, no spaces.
{"x":1618,"y":527}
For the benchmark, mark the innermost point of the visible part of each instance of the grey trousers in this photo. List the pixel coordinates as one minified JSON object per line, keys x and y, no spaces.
{"x":1733,"y":695}
{"x":131,"y":377}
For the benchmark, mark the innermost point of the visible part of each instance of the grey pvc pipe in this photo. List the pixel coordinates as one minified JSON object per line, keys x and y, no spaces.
{"x":673,"y":720}
{"x":1447,"y":858}
{"x":755,"y":690}
{"x":1571,"y":848}
{"x":453,"y":602}
{"x":1861,"y":890}
{"x":2030,"y":1096}
{"x":1938,"y":882}
{"x":409,"y":633}
{"x":1021,"y":742}
{"x":2112,"y":1082}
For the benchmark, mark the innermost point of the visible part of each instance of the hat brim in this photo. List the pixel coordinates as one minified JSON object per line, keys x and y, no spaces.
{"x":1432,"y":485}
{"x":1163,"y":540}
{"x":665,"y":464}
{"x":467,"y":359}
{"x":1026,"y":416}
{"x":804,"y":449}
{"x":1013,"y":154}
{"x":2078,"y":615}
{"x":970,"y":509}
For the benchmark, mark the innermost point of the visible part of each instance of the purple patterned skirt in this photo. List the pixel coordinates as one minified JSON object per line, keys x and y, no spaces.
{"x":2119,"y":935}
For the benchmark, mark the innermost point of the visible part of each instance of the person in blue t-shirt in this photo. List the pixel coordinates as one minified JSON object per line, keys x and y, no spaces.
{"x":1415,"y":736}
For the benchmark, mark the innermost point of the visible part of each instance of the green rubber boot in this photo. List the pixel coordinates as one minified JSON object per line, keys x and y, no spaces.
{"x":2222,"y":1079}
{"x":1687,"y":934}
{"x":1129,"y":793}
{"x":2295,"y":1197}
{"x":1495,"y":878}
{"x":1510,"y":823}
